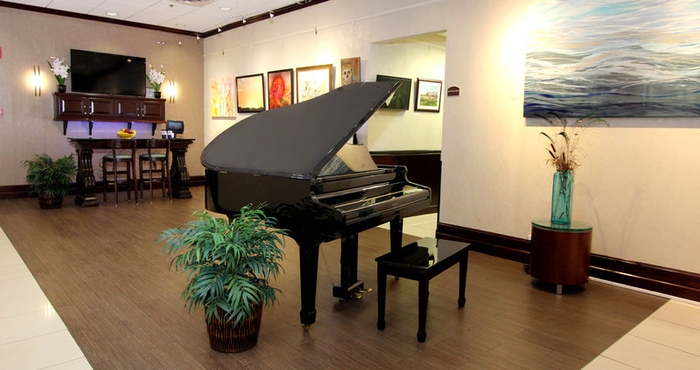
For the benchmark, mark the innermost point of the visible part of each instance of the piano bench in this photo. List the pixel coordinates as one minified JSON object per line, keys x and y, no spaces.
{"x":421,"y":261}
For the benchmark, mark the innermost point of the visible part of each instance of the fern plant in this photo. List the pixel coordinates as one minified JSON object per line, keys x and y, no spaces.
{"x":229,"y":265}
{"x":48,"y":177}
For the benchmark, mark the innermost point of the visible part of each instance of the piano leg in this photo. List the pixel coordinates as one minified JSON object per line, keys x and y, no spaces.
{"x":396,"y":233}
{"x":308,"y":270}
{"x":349,"y":285}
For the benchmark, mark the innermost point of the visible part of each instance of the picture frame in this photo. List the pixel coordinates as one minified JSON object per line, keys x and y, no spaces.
{"x":349,"y":71}
{"x":314,"y":81}
{"x":402,"y":96}
{"x":428,"y":95}
{"x":221,"y":103}
{"x":280,"y":88}
{"x":250,"y":93}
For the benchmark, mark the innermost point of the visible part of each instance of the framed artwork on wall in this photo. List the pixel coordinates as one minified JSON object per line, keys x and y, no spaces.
{"x":280,"y":88}
{"x":314,"y":81}
{"x":402,"y":95}
{"x":221,"y":104}
{"x":428,"y":95}
{"x":250,"y":93}
{"x":349,"y":71}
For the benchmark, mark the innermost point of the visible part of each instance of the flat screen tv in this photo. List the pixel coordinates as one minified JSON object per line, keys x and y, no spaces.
{"x":102,"y":73}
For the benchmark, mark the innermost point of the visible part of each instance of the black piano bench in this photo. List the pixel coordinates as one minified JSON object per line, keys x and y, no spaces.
{"x":422,"y":261}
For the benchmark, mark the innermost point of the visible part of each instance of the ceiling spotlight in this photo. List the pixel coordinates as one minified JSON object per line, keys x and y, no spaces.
{"x":243,"y":20}
{"x":225,"y":8}
{"x":219,"y":29}
{"x":112,"y":14}
{"x":271,"y":14}
{"x":179,"y":43}
{"x":198,"y":37}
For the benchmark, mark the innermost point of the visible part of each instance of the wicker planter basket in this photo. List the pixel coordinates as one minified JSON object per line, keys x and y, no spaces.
{"x":225,"y":337}
{"x":50,"y":202}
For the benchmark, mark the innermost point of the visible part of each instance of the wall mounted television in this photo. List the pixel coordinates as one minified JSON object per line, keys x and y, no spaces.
{"x":102,"y":73}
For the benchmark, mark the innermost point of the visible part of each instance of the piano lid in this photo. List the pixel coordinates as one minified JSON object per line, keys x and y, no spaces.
{"x":297,"y":140}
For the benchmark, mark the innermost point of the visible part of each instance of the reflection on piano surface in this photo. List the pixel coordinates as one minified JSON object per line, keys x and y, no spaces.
{"x":297,"y":161}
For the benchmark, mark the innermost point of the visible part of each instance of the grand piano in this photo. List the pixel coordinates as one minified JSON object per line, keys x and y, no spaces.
{"x":300,"y":162}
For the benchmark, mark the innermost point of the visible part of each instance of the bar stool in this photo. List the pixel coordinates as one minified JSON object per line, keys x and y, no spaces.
{"x":157,"y":162}
{"x":125,"y":156}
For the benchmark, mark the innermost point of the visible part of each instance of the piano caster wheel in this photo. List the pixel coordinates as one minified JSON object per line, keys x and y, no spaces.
{"x":421,"y":336}
{"x":305,"y":328}
{"x":381,"y":325}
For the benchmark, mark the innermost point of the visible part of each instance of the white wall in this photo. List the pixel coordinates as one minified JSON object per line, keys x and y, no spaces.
{"x":637,"y":185}
{"x":337,"y":31}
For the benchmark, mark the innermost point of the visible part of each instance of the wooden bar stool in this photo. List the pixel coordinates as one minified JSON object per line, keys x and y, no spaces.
{"x":421,"y":261}
{"x":123,"y":152}
{"x":157,"y":162}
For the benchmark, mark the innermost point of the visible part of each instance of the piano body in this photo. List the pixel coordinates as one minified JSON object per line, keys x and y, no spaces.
{"x":289,"y":159}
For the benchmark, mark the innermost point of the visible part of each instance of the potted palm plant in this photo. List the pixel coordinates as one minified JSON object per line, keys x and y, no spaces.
{"x":50,"y":179}
{"x":229,"y":266}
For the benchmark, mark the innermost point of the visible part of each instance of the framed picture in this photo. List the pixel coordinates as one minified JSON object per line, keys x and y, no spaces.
{"x":280,"y":88}
{"x":250,"y":93}
{"x":428,"y":95}
{"x":221,"y":104}
{"x":402,"y":95}
{"x":314,"y":81}
{"x":349,"y":71}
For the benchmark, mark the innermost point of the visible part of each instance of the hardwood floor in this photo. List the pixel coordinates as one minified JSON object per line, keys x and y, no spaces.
{"x":106,"y":277}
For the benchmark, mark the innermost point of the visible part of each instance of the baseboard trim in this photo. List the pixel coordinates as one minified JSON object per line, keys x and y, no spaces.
{"x":678,"y":283}
{"x":22,"y":191}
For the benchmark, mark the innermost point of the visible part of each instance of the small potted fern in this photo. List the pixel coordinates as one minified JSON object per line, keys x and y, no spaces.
{"x":229,"y":265}
{"x":50,"y":179}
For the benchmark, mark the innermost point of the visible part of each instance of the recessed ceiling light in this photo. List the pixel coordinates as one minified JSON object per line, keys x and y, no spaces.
{"x":225,"y":8}
{"x":112,"y":14}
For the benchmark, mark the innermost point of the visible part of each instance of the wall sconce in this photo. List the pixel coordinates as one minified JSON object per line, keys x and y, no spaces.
{"x":172,"y":91}
{"x":37,"y":81}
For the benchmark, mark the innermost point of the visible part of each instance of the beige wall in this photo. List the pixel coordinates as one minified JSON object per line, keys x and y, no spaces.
{"x":27,"y":126}
{"x":637,"y":184}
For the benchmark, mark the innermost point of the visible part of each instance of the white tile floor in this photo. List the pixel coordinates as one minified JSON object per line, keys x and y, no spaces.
{"x":33,"y":336}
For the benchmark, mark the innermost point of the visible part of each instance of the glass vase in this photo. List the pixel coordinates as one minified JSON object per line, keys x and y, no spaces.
{"x":562,"y":191}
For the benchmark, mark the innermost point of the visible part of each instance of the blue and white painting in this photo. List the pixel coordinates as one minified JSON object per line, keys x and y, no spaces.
{"x":613,"y":58}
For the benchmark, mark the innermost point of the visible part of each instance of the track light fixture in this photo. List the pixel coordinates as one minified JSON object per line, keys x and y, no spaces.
{"x":219,"y":29}
{"x":271,"y":13}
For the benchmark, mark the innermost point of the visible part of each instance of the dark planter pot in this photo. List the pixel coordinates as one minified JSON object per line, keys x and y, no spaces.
{"x":229,"y":338}
{"x":156,"y":94}
{"x":46,"y":202}
{"x":61,"y":88}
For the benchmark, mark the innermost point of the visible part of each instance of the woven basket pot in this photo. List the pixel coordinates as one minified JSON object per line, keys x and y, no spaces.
{"x":50,"y":202}
{"x":224,"y":336}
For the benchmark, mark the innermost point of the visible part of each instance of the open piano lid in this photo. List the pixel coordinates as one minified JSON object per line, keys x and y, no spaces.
{"x":297,"y":140}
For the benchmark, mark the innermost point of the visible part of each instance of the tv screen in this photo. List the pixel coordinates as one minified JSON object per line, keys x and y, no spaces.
{"x":102,"y":73}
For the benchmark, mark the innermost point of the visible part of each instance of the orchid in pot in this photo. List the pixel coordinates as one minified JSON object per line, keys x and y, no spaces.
{"x":562,"y":150}
{"x":60,"y":70}
{"x":155,"y":78}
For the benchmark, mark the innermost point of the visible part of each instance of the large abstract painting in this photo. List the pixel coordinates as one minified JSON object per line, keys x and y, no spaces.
{"x":222,"y":100}
{"x":613,"y":58}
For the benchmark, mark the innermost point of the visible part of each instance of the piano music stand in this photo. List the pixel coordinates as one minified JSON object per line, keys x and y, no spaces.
{"x":421,"y":261}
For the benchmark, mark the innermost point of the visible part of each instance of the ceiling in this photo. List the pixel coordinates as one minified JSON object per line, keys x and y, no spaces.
{"x":200,"y":17}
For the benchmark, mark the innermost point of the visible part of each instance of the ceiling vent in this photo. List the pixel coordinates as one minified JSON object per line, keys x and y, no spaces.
{"x":197,"y":3}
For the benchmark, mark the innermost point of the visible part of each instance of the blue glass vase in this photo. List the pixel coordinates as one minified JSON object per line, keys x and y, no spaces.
{"x":562,"y":190}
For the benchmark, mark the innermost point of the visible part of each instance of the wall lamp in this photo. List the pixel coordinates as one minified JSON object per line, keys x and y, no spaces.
{"x":172,"y":91}
{"x":37,"y":81}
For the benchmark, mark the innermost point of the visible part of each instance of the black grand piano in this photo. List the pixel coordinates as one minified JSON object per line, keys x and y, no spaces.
{"x":299,"y":162}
